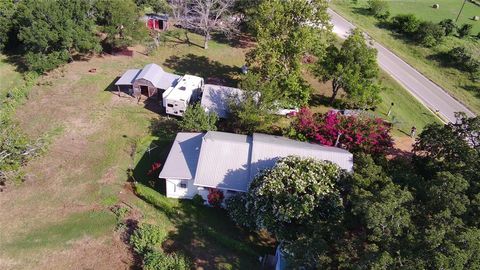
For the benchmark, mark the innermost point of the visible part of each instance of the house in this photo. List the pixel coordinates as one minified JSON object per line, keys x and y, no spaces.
{"x":229,"y":162}
{"x":148,"y":81}
{"x":158,"y":22}
{"x":177,"y":97}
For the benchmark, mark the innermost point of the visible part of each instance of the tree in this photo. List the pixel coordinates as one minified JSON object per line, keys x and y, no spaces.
{"x":158,"y":6}
{"x":196,"y":119}
{"x":352,"y":68}
{"x":378,"y":8}
{"x":118,"y":19}
{"x":274,"y":195}
{"x":448,"y":26}
{"x":286,"y":31}
{"x":354,"y":133}
{"x":252,"y":110}
{"x":465,"y":30}
{"x":405,"y":23}
{"x":7,"y":10}
{"x":50,"y":32}
{"x":206,"y":16}
{"x":429,"y":34}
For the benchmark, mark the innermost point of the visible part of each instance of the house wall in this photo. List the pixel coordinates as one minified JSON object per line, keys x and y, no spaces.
{"x":174,"y":190}
{"x":142,"y":82}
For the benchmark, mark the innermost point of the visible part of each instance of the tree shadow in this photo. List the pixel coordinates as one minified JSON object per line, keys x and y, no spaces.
{"x":202,"y":66}
{"x":241,"y":40}
{"x":322,"y":100}
{"x":17,"y":61}
{"x":177,"y":37}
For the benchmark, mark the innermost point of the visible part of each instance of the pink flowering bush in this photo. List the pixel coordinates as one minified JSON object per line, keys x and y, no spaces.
{"x":357,"y":133}
{"x":215,"y":197}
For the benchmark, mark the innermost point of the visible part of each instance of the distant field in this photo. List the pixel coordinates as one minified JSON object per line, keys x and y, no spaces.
{"x":448,"y":10}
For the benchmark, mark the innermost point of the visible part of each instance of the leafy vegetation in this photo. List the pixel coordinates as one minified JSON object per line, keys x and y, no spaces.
{"x":430,"y":61}
{"x":284,"y":34}
{"x":396,"y":214}
{"x":353,"y":68}
{"x":355,"y":133}
{"x":196,"y":119}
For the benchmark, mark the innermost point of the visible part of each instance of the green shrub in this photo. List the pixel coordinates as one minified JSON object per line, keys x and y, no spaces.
{"x":463,"y":59}
{"x":157,"y":260}
{"x":429,"y":34}
{"x":238,"y":212}
{"x":405,"y":23}
{"x":198,"y":200}
{"x":378,"y":8}
{"x":448,"y":26}
{"x":147,"y":237}
{"x":465,"y":30}
{"x":154,"y":198}
{"x":196,"y":119}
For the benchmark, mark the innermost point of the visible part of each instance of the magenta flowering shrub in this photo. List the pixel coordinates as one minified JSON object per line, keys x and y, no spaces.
{"x":357,"y":133}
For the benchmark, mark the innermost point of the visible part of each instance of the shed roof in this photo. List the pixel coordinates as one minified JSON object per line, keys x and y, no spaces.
{"x":215,"y":98}
{"x":182,"y":160}
{"x":128,"y":77}
{"x":157,"y":76}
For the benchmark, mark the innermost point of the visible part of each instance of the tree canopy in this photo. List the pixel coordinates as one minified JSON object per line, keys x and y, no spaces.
{"x":403,"y":213}
{"x":286,"y":31}
{"x":196,"y":119}
{"x":352,"y":68}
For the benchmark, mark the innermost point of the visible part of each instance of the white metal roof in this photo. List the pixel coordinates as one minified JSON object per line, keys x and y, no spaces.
{"x":224,"y":161}
{"x":231,"y":161}
{"x":184,"y":88}
{"x":182,"y":160}
{"x":267,"y":149}
{"x":128,"y":77}
{"x":215,"y":98}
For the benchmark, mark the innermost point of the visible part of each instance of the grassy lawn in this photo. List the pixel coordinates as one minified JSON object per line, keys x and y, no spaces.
{"x":60,"y":218}
{"x":452,"y":80}
{"x":9,"y":77}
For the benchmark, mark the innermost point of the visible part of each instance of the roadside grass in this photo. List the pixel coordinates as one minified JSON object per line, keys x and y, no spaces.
{"x":452,"y":80}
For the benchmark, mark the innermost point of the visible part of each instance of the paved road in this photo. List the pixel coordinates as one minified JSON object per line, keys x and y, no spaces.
{"x":427,"y":92}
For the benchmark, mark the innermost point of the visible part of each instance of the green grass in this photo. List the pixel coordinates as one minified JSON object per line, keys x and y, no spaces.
{"x":407,"y":110}
{"x":448,"y":10}
{"x":61,"y":234}
{"x":452,"y":80}
{"x":9,"y":77}
{"x":204,"y":233}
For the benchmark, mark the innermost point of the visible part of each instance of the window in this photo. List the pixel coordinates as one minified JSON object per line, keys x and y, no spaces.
{"x":183,"y":184}
{"x":170,"y":105}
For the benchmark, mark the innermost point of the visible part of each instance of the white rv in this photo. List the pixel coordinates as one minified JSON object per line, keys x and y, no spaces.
{"x":177,"y":97}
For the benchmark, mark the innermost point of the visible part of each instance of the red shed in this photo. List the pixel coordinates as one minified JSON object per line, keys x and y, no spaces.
{"x":158,"y":22}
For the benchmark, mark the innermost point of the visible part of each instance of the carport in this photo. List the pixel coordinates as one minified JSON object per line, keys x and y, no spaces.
{"x":126,"y":81}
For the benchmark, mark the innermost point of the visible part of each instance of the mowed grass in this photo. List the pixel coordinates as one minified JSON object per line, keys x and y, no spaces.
{"x":455,"y":82}
{"x":449,"y":9}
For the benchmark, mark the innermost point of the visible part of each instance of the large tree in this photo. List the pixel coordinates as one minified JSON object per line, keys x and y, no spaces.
{"x":50,"y":32}
{"x":286,"y":31}
{"x":7,"y":10}
{"x":118,"y":20}
{"x":353,"y":68}
{"x":206,"y":16}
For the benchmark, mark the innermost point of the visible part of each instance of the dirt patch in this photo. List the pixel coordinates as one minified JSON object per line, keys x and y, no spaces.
{"x":106,"y":253}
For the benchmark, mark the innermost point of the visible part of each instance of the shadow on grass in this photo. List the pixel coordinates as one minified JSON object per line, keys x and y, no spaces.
{"x":145,"y":171}
{"x":241,"y":40}
{"x":202,"y":66}
{"x":16,"y":60}
{"x":322,"y":100}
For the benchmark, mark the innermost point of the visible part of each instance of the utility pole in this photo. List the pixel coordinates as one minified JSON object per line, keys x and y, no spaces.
{"x":460,"y":12}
